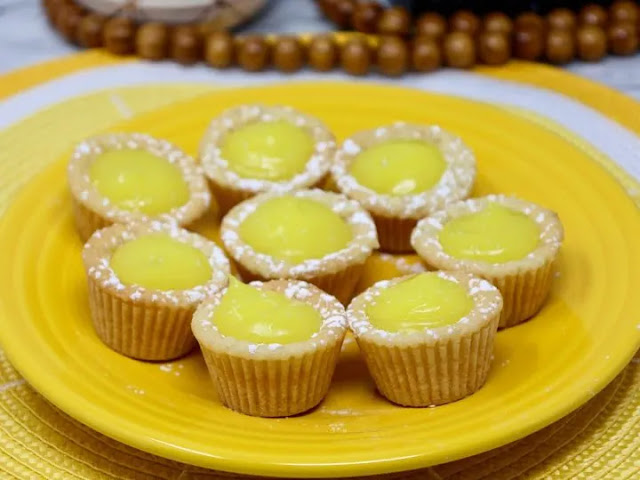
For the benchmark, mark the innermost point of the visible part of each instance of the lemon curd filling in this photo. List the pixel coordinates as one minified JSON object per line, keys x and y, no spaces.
{"x":137,"y":180}
{"x":276,"y":150}
{"x":495,"y":234}
{"x":295,"y":229}
{"x":160,"y":262}
{"x":399,"y":167}
{"x":262,"y":316}
{"x":424,"y":301}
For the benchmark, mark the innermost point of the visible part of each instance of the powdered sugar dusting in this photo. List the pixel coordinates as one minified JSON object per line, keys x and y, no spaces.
{"x":455,"y":184}
{"x":425,"y":237}
{"x":85,"y":192}
{"x":216,"y":167}
{"x":486,"y":298}
{"x":364,"y":239}
{"x":98,"y":250}
{"x":332,"y":312}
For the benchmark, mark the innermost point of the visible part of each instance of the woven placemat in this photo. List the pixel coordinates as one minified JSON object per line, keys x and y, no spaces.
{"x":599,"y":440}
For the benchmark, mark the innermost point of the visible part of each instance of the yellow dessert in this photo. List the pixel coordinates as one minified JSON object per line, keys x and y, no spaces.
{"x":139,"y":181}
{"x":270,"y":347}
{"x":312,"y":235}
{"x":399,"y":167}
{"x":427,"y":339}
{"x":263,"y":316}
{"x":267,"y":150}
{"x":295,"y":229}
{"x":145,"y":281}
{"x":160,"y":262}
{"x":510,"y":242}
{"x":252,"y":149}
{"x":401,"y":173}
{"x":424,"y":301}
{"x":124,"y":178}
{"x":496,"y":234}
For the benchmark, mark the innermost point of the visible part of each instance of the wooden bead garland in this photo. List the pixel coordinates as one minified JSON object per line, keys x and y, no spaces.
{"x":253,"y":54}
{"x":393,"y":56}
{"x":528,"y":42}
{"x":459,"y":50}
{"x":356,"y":56}
{"x":288,"y":54}
{"x":89,"y":34}
{"x":219,"y":49}
{"x":464,"y":21}
{"x":593,"y":14}
{"x":591,"y":43}
{"x":432,"y":25}
{"x":498,"y":22}
{"x":560,"y":46}
{"x":425,"y":54}
{"x":186,"y":44}
{"x":119,"y":35}
{"x":494,"y":48}
{"x":152,"y":41}
{"x":404,"y":44}
{"x":323,"y":53}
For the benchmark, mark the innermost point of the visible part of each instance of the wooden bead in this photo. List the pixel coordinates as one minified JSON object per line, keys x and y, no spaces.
{"x":592,"y":43}
{"x":51,"y":7}
{"x":623,"y":11}
{"x":288,"y":54}
{"x":54,"y":10}
{"x":394,"y":21}
{"x":528,"y":42}
{"x":119,"y":35}
{"x":459,"y":50}
{"x":494,"y":48}
{"x":340,"y":12}
{"x":393,"y":56}
{"x":623,"y":39}
{"x":186,"y":44}
{"x":365,"y":16}
{"x":68,"y":21}
{"x":326,"y":6}
{"x":323,"y":53}
{"x":253,"y":54}
{"x":432,"y":25}
{"x":560,"y":46}
{"x":89,"y":32}
{"x":219,"y":49}
{"x":498,"y":22}
{"x":152,"y":41}
{"x":593,"y":14}
{"x":425,"y":54}
{"x":561,"y":19}
{"x":464,"y":21}
{"x":355,"y":56}
{"x":530,"y":19}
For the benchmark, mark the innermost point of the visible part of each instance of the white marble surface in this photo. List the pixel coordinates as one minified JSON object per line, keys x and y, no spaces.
{"x":26,"y":38}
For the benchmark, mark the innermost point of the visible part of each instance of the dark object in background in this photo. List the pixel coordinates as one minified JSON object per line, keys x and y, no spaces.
{"x":511,"y":7}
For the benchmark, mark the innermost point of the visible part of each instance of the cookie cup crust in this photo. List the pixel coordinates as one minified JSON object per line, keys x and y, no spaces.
{"x":396,"y":215}
{"x":336,"y":273}
{"x":230,"y":188}
{"x":433,"y":366}
{"x":273,"y":380}
{"x":93,"y":211}
{"x":139,"y":322}
{"x":524,"y":283}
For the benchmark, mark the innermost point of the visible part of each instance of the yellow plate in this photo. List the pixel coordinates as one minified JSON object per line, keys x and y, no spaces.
{"x":542,"y":370}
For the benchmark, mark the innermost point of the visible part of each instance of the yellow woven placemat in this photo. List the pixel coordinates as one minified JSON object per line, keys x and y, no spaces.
{"x":599,"y":440}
